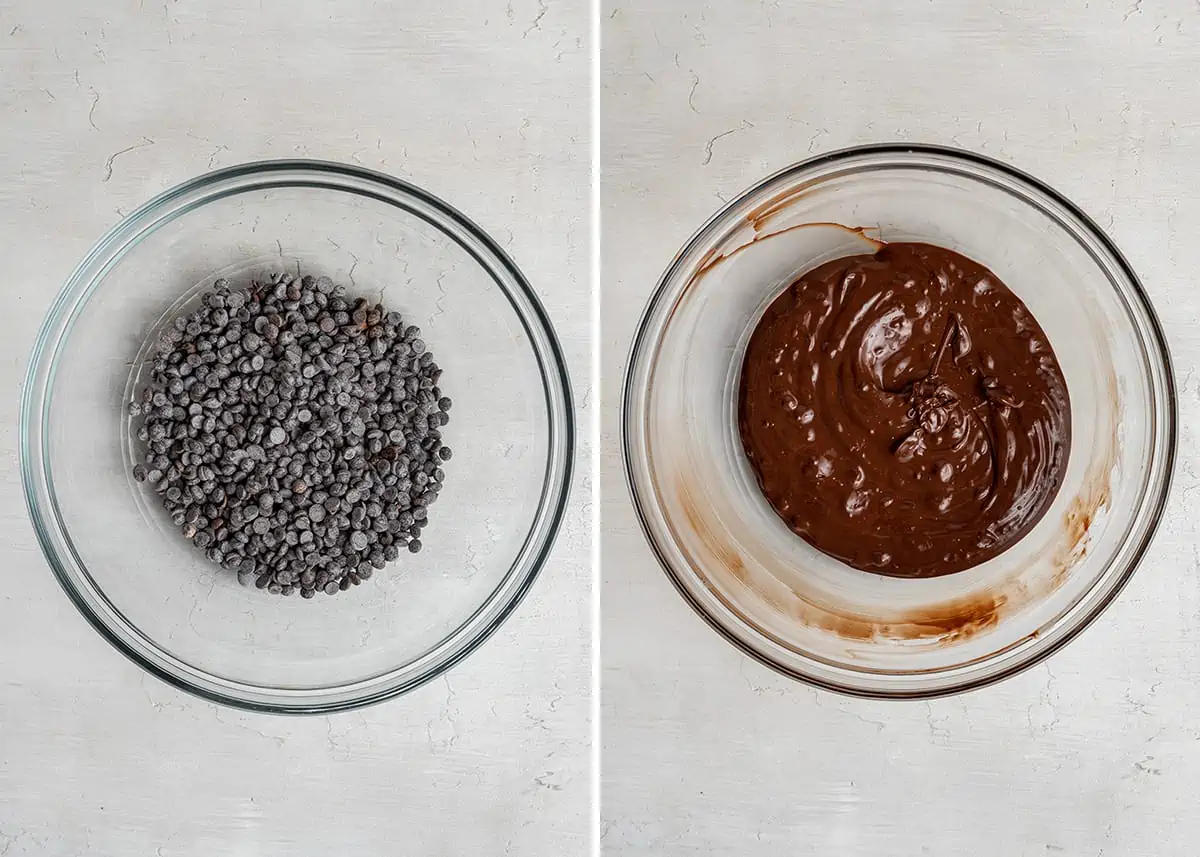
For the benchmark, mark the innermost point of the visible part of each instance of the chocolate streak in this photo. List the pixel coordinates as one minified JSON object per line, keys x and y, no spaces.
{"x":904,"y":413}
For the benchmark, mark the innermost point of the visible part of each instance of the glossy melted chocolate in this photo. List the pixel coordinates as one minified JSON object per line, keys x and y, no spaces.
{"x":904,"y":412}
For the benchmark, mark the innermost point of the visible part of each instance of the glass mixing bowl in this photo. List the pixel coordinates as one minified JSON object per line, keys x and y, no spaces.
{"x":157,"y":598}
{"x":811,"y":616}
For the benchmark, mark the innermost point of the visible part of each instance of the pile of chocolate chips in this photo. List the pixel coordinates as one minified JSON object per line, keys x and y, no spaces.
{"x":292,"y":434}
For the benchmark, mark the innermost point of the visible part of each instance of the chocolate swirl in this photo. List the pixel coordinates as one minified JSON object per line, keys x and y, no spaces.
{"x":904,"y":412}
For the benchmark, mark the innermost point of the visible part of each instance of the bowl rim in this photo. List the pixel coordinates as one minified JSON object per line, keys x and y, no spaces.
{"x":56,"y":326}
{"x":630,"y":396}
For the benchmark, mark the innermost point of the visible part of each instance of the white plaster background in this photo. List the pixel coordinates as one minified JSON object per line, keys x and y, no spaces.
{"x":1096,"y":752}
{"x":485,"y":105}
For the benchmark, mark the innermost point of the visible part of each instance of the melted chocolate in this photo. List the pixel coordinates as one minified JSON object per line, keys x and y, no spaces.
{"x":904,"y":412}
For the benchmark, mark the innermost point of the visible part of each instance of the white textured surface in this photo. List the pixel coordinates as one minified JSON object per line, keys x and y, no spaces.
{"x":705,"y":751}
{"x":105,"y":105}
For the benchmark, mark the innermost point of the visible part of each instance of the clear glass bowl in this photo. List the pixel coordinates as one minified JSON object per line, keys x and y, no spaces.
{"x":154,"y":596}
{"x":804,"y":613}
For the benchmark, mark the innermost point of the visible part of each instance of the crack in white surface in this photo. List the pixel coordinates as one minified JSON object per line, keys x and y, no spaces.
{"x":95,"y":101}
{"x":108,"y":165}
{"x":935,"y":731}
{"x":167,"y":22}
{"x":1145,"y":767}
{"x":1048,"y":700}
{"x":758,"y":689}
{"x":544,"y":781}
{"x":216,"y":712}
{"x":441,"y":296}
{"x":444,"y":722}
{"x":537,"y":21}
{"x":708,"y":147}
{"x":474,"y":143}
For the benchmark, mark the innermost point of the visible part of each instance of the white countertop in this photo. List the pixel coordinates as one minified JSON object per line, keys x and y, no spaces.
{"x":1096,"y":752}
{"x":105,"y":105}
